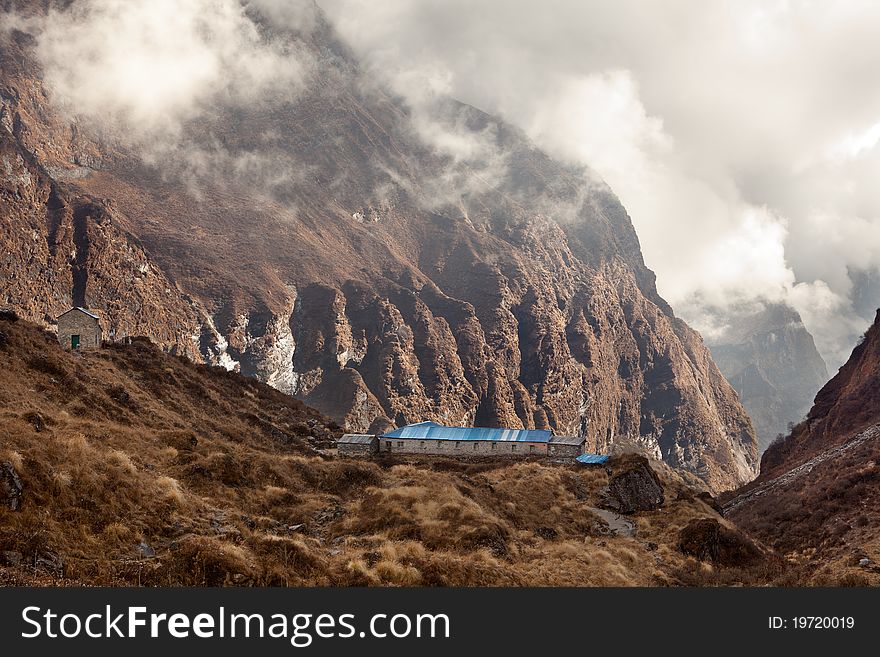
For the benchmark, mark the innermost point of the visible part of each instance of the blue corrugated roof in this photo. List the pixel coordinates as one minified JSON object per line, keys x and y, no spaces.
{"x":592,"y":459}
{"x":434,"y":431}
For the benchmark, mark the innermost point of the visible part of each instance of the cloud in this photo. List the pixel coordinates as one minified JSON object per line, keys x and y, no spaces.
{"x":742,"y":137}
{"x":163,"y":78}
{"x":151,"y":65}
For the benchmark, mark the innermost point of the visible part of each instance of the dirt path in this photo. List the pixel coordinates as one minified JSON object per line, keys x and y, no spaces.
{"x":801,"y":470}
{"x":618,"y":524}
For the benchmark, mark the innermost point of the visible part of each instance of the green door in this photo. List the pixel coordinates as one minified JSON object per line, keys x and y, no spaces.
{"x":74,"y":341}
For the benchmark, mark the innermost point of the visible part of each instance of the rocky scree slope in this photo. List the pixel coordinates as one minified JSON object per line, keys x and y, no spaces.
{"x":384,"y":283}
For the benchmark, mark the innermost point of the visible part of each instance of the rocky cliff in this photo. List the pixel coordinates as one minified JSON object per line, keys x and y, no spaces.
{"x":847,"y":404}
{"x":770,"y":359}
{"x":379,"y":278}
{"x":819,"y":489}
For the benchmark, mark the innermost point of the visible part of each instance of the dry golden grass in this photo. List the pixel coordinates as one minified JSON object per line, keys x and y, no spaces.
{"x":136,"y":452}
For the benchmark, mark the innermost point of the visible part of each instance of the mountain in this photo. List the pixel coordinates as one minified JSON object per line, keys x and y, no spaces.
{"x":330,"y":246}
{"x":817,"y":496}
{"x":130,"y":466}
{"x":770,"y":359}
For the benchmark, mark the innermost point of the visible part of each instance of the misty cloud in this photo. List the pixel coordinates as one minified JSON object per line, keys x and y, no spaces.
{"x":742,"y":137}
{"x":151,"y":65}
{"x":163,"y":78}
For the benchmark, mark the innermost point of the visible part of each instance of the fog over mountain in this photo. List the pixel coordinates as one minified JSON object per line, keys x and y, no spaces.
{"x":741,"y":136}
{"x":233,"y":181}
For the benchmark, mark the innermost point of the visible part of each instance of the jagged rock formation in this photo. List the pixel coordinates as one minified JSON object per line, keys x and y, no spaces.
{"x":388,"y":284}
{"x":770,"y":359}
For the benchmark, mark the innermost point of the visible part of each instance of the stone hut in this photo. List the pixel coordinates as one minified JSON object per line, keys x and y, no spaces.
{"x":357,"y":444}
{"x":79,"y":329}
{"x":565,"y":448}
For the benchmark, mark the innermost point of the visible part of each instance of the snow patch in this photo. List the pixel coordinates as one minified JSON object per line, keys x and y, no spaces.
{"x":278,"y":347}
{"x":217,"y":351}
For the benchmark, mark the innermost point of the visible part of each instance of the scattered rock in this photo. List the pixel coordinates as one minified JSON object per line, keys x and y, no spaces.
{"x":709,"y":540}
{"x":865,"y":563}
{"x":145,"y":551}
{"x":10,"y":487}
{"x":50,"y":562}
{"x":36,"y":420}
{"x":616,"y":524}
{"x":329,"y":514}
{"x":295,"y":528}
{"x":635,"y":487}
{"x":11,"y":558}
{"x":119,"y":394}
{"x":547,"y":532}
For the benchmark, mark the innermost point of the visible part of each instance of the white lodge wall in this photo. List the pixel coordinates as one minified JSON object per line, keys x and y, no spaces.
{"x":461,"y":447}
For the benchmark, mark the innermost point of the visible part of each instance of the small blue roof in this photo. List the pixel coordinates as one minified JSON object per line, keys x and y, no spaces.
{"x":592,"y":459}
{"x":434,"y":431}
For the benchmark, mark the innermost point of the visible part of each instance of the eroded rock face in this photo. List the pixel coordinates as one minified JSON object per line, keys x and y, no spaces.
{"x":389,"y":285}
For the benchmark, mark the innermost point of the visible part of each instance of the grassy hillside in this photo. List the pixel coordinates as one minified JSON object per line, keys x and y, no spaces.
{"x":137,"y":467}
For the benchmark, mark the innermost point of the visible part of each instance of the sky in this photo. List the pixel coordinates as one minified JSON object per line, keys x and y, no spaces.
{"x":743,"y":137}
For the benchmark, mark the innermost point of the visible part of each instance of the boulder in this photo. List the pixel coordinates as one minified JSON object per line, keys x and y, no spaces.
{"x":11,"y":558}
{"x":634,"y":486}
{"x":36,"y":420}
{"x":49,"y":562}
{"x":709,"y":540}
{"x":144,"y":550}
{"x":10,"y":487}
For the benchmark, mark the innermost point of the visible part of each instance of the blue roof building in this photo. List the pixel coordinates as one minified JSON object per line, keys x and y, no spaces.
{"x":433,"y":438}
{"x":434,"y":431}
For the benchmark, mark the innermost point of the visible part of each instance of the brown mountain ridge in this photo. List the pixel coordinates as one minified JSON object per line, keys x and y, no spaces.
{"x":130,"y":466}
{"x":384,"y":283}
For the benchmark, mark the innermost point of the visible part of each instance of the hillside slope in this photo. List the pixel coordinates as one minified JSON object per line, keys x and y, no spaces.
{"x":819,"y":489}
{"x":329,"y":247}
{"x":131,"y":466}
